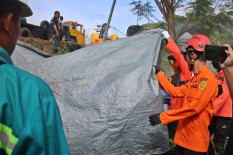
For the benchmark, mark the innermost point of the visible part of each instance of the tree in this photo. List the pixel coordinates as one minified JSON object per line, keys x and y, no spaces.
{"x":201,"y":17}
{"x":137,"y":9}
{"x":141,"y":9}
{"x":167,"y":8}
{"x":211,"y":18}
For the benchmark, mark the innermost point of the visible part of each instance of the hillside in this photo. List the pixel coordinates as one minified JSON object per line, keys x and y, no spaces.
{"x":47,"y":46}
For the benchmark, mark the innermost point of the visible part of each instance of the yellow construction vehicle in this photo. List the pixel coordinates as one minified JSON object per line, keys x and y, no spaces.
{"x":98,"y":37}
{"x":76,"y":32}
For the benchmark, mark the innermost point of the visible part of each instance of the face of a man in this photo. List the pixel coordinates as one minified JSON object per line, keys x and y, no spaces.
{"x":57,"y":14}
{"x":14,"y":34}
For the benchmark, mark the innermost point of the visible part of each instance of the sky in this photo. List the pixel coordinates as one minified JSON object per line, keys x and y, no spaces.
{"x":89,"y":13}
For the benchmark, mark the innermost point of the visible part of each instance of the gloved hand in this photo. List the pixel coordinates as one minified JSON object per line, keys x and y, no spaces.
{"x":165,"y":34}
{"x":220,"y":91}
{"x":156,"y":68}
{"x":154,"y":119}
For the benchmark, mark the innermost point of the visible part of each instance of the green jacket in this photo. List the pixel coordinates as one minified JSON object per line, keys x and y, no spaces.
{"x":30,"y":122}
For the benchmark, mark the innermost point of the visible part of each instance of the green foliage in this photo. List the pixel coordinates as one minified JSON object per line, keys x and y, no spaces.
{"x":62,"y":49}
{"x":142,"y":9}
{"x":162,"y":25}
{"x":173,"y":145}
{"x":210,"y":17}
{"x":213,"y":18}
{"x":66,"y":47}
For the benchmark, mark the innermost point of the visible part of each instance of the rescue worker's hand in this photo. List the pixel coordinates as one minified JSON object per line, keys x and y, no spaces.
{"x":228,"y":63}
{"x":154,"y":119}
{"x":220,"y":91}
{"x":156,"y":69}
{"x":165,"y":34}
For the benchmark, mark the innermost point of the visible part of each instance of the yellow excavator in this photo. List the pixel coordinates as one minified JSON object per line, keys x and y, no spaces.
{"x":98,"y":37}
{"x":76,"y":32}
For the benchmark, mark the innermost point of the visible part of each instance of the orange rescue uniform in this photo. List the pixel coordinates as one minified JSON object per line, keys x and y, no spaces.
{"x":185,"y":74}
{"x":223,"y":104}
{"x":197,"y":111}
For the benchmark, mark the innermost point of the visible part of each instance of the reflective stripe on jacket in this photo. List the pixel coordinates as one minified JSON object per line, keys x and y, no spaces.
{"x":223,"y":104}
{"x":185,"y":74}
{"x":7,"y":139}
{"x":196,"y":114}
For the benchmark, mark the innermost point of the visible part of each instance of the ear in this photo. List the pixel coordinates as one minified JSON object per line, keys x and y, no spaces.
{"x":6,"y":22}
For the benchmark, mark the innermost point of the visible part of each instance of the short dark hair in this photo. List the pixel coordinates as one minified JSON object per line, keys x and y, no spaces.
{"x":56,"y":12}
{"x":7,"y":7}
{"x":200,"y":55}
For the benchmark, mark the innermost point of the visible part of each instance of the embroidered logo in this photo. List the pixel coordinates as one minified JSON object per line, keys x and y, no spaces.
{"x":202,"y":85}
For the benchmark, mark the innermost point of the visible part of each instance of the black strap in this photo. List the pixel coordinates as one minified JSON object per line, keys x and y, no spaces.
{"x":1,"y":62}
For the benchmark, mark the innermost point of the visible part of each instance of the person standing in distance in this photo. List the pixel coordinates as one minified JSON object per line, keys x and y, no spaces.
{"x":55,"y":31}
{"x":61,"y":29}
{"x":30,"y":121}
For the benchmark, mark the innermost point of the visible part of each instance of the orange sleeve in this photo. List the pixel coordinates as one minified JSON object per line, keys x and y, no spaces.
{"x":169,"y":87}
{"x":222,"y":99}
{"x":196,"y":100}
{"x":175,"y":51}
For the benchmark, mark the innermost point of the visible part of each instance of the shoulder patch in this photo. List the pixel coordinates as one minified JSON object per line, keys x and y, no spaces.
{"x":202,"y":85}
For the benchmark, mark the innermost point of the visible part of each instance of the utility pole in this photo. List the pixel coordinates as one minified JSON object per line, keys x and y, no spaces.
{"x":109,"y":19}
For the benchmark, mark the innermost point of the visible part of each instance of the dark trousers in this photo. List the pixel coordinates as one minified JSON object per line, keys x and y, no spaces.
{"x":172,"y":129}
{"x":229,"y":147}
{"x":55,"y":43}
{"x":219,"y":126}
{"x":171,"y":132}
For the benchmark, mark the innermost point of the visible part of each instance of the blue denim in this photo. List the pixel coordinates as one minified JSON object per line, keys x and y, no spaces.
{"x":55,"y":43}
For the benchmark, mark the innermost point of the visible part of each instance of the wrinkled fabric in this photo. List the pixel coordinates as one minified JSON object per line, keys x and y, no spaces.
{"x":105,"y":94}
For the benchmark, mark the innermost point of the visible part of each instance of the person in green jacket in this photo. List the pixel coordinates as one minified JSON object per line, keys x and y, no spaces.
{"x":30,"y":121}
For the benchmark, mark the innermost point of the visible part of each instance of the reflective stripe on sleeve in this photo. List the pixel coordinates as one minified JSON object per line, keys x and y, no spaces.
{"x":7,"y":139}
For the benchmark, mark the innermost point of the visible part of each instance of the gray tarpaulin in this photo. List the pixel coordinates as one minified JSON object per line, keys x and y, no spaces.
{"x":105,"y":94}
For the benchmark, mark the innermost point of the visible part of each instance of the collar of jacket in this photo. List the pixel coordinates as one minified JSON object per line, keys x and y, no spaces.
{"x":220,"y":72}
{"x":202,"y":69}
{"x":5,"y":57}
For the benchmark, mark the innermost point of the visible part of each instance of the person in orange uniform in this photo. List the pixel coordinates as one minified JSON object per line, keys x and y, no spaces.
{"x":181,"y":76}
{"x":221,"y":121}
{"x":182,"y":73}
{"x":192,"y":134}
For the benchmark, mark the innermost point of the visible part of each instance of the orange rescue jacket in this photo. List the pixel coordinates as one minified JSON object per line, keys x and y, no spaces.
{"x":197,"y":111}
{"x":185,"y":74}
{"x":223,"y":104}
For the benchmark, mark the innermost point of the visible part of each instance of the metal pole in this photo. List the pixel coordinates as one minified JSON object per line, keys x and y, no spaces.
{"x":109,"y":19}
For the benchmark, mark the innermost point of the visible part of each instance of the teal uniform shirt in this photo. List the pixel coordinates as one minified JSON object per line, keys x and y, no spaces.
{"x":30,"y":122}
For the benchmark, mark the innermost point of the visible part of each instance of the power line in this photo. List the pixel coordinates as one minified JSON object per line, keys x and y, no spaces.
{"x":118,"y":30}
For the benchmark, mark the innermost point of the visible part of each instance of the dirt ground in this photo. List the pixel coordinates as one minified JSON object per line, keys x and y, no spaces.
{"x":47,"y":46}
